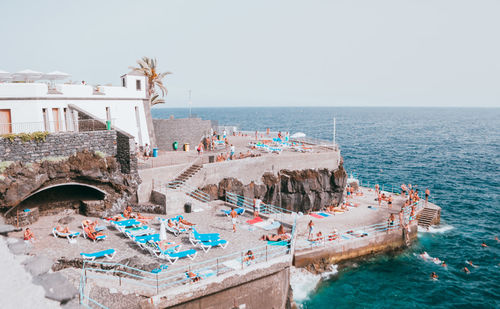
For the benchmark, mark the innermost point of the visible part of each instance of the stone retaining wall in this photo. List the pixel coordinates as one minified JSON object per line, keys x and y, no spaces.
{"x":62,"y":144}
{"x":189,"y":130}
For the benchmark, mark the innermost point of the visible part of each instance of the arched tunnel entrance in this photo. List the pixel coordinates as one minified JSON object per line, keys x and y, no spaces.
{"x":55,"y":198}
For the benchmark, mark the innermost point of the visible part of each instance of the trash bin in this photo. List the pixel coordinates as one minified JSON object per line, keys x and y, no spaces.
{"x":187,"y":207}
{"x":155,"y":152}
{"x":186,"y":147}
{"x":211,"y":159}
{"x":108,"y":125}
{"x":175,"y":145}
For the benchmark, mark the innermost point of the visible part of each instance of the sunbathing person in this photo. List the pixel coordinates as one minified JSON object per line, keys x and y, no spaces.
{"x":194,"y":277}
{"x":281,"y":230}
{"x":249,"y":256}
{"x":172,"y":224}
{"x":165,"y":244}
{"x":60,"y":229}
{"x":274,"y":237}
{"x":92,"y":233}
{"x":88,"y":222}
{"x":28,"y":235}
{"x":334,"y":235}
{"x":185,"y":222}
{"x":319,"y":237}
{"x":127,"y":212}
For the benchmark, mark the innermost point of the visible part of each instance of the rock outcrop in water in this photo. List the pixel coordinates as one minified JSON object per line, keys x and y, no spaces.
{"x":305,"y":190}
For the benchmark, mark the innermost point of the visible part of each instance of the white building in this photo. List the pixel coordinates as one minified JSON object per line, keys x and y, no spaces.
{"x":29,"y":107}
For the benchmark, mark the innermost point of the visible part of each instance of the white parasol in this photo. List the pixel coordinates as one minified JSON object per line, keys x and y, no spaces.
{"x":163,"y":231}
{"x":298,"y":135}
{"x":56,"y":75}
{"x":27,"y":75}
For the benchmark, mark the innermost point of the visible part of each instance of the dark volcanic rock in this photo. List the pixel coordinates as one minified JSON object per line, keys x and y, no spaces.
{"x":66,"y":220}
{"x":21,"y":179}
{"x":305,"y":190}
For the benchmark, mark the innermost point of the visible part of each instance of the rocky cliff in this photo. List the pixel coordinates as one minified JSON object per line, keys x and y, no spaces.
{"x":304,"y":190}
{"x":20,"y":180}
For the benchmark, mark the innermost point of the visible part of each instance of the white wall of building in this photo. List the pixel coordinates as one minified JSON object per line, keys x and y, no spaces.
{"x":26,"y":102}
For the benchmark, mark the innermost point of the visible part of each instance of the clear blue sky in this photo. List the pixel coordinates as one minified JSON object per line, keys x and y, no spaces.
{"x":243,"y":53}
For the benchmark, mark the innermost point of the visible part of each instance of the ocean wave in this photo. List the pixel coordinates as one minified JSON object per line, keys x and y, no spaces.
{"x":436,"y":229}
{"x":304,"y":282}
{"x":332,"y":272}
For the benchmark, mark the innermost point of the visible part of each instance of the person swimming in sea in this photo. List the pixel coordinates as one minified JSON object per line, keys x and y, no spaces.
{"x":434,"y":276}
{"x":466,"y":270}
{"x":484,"y":245}
{"x":444,"y":264}
{"x":471,"y":264}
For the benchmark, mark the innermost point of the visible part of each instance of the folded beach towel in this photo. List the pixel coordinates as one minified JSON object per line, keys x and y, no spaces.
{"x":323,"y":214}
{"x":255,"y":220}
{"x":316,"y":216}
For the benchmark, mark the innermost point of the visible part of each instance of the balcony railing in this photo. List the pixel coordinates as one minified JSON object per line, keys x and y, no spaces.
{"x":56,"y":126}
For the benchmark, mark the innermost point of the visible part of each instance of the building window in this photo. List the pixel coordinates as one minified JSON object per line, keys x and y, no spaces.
{"x":5,"y":121}
{"x":108,"y":113}
{"x":124,"y":83}
{"x":138,"y":85}
{"x":46,"y":125}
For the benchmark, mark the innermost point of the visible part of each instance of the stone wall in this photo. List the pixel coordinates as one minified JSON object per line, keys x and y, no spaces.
{"x":62,"y":144}
{"x":126,"y":153}
{"x":188,"y":130}
{"x":320,"y":258}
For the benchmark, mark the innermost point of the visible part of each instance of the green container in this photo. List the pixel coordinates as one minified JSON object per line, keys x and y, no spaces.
{"x":175,"y":145}
{"x":108,"y":125}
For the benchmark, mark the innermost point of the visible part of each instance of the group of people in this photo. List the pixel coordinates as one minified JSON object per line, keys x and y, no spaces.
{"x":280,"y":235}
{"x":426,"y":257}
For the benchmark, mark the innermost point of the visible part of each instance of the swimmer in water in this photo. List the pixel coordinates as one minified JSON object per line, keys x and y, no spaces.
{"x":436,"y":260}
{"x":425,"y":255}
{"x":434,"y":276}
{"x":496,"y":238}
{"x":444,"y":264}
{"x":470,"y":263}
{"x":466,"y":270}
{"x":484,"y":245}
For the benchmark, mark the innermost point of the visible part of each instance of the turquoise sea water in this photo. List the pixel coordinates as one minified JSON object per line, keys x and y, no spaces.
{"x":454,"y":152}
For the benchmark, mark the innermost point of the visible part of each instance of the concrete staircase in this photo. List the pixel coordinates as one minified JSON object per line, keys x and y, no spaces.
{"x":188,"y":173}
{"x":427,"y":216}
{"x":180,"y":184}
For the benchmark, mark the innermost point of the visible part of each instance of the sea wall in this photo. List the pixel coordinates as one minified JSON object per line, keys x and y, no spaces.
{"x":188,"y":130}
{"x":260,"y":286}
{"x":320,"y":257}
{"x":62,"y":144}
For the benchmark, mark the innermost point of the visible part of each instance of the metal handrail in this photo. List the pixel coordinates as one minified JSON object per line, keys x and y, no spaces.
{"x":189,"y":190}
{"x":241,"y":201}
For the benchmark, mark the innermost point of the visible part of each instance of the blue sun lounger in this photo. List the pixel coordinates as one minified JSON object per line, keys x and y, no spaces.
{"x":206,"y":245}
{"x":126,"y":223}
{"x":110,"y":253}
{"x":172,"y":257}
{"x":195,"y":237}
{"x":239,"y":211}
{"x":70,"y":236}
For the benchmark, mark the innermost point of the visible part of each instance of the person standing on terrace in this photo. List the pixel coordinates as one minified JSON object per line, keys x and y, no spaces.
{"x":310,"y":226}
{"x":234,"y":219}
{"x":427,"y":193}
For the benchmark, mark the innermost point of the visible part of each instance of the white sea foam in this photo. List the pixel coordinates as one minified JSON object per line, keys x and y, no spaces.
{"x":332,"y":272}
{"x":440,"y":229}
{"x":304,"y":282}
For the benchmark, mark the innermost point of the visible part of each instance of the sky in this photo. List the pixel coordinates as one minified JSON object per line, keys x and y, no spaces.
{"x":272,"y":52}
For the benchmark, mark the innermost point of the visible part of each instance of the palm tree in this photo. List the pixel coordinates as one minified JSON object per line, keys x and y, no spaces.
{"x":148,"y":68}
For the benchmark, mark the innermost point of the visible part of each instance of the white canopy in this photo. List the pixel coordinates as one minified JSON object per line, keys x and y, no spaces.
{"x":163,"y":231}
{"x":298,"y":135}
{"x":27,"y":75}
{"x":56,"y":75}
{"x":4,"y":75}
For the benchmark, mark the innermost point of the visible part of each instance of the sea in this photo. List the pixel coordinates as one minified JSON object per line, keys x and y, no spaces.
{"x":455,"y":152}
